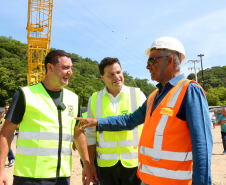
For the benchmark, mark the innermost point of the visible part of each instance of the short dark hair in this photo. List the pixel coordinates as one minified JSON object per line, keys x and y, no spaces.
{"x":108,"y":61}
{"x":52,"y":57}
{"x":7,"y":105}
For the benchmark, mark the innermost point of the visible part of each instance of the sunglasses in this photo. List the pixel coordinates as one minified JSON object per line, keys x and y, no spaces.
{"x":152,"y":60}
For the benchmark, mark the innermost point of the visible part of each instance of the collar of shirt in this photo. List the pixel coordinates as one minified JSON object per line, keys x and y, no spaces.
{"x":172,"y":82}
{"x":166,"y":89}
{"x":123,"y":90}
{"x":114,"y":100}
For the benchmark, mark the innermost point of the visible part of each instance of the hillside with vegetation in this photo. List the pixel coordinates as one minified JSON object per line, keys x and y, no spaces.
{"x":214,"y":83}
{"x":84,"y":81}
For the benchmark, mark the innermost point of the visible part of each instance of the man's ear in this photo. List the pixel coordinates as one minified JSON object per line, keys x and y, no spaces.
{"x":49,"y":67}
{"x":102,"y":78}
{"x":170,"y":59}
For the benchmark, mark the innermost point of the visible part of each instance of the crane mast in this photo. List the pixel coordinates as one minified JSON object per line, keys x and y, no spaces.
{"x":39,"y":37}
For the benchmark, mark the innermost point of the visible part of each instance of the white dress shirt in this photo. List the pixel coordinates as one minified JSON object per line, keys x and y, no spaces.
{"x":91,"y":134}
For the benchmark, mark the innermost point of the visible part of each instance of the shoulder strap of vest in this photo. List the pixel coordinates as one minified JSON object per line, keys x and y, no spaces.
{"x":93,"y":105}
{"x":150,"y":100}
{"x":134,"y":97}
{"x":176,"y":96}
{"x":32,"y":88}
{"x":177,"y":93}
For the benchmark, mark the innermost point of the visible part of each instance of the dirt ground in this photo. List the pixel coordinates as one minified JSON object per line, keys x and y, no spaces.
{"x":218,"y":163}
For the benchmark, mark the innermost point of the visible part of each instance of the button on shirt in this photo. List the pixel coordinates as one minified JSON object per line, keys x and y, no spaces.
{"x":194,"y":110}
{"x":91,"y":134}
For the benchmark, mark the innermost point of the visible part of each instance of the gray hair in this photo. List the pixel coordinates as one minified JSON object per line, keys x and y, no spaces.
{"x":177,"y":58}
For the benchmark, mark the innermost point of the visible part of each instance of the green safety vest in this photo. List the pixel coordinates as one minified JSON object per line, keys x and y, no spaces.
{"x":122,"y":145}
{"x":84,"y":114}
{"x":46,"y":135}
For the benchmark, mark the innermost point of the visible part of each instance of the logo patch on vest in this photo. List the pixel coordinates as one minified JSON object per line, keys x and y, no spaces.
{"x":70,"y":110}
{"x":124,"y":112}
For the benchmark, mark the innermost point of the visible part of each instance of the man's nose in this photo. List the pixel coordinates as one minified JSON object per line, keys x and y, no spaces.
{"x":117,"y":76}
{"x":70,"y":71}
{"x":148,"y":66}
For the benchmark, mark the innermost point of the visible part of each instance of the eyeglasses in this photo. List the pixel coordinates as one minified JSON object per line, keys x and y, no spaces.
{"x":152,"y":60}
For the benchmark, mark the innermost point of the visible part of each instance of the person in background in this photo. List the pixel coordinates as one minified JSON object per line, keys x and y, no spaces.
{"x":213,"y":120}
{"x":222,"y":122}
{"x":11,"y":157}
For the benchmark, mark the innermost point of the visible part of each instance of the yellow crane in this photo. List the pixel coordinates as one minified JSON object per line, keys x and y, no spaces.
{"x":39,"y":37}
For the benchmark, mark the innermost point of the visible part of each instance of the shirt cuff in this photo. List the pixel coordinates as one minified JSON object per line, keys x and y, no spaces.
{"x":102,"y":124}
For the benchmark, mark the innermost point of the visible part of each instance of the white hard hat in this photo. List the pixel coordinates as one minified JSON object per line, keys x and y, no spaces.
{"x":167,"y":43}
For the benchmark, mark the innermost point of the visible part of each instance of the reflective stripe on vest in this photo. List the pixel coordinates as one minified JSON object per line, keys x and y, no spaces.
{"x":170,"y":174}
{"x":123,"y":143}
{"x":173,"y":156}
{"x":131,"y":155}
{"x":150,"y":103}
{"x":44,"y":136}
{"x":42,"y":151}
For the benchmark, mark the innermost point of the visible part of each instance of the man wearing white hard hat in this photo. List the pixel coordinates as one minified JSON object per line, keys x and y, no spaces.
{"x":176,"y":143}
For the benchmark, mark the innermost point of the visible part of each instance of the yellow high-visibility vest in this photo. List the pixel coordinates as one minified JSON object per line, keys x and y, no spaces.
{"x":121,"y":145}
{"x":46,"y":134}
{"x":3,"y":121}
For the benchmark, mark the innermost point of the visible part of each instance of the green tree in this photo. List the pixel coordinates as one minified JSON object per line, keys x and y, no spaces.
{"x":146,"y":87}
{"x":216,"y":96}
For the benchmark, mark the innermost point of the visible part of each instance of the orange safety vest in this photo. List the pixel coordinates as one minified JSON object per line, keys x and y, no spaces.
{"x":165,"y":150}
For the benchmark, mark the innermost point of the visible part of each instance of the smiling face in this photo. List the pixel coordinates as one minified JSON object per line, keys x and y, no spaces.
{"x":113,"y":77}
{"x":155,"y":68}
{"x":61,"y":72}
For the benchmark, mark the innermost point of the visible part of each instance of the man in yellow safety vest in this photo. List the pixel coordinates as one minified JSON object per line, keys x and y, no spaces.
{"x":45,"y":114}
{"x":116,"y":152}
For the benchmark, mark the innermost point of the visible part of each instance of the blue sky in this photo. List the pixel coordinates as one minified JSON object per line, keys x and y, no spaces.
{"x":125,"y":29}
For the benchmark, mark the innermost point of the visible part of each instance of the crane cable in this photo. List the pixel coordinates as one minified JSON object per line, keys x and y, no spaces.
{"x":95,"y":26}
{"x":101,"y":39}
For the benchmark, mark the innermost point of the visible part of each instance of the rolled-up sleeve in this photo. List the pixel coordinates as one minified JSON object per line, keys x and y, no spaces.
{"x":91,"y":134}
{"x":198,"y":120}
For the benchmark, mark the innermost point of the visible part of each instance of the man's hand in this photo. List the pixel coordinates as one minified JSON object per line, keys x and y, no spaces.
{"x":94,"y":177}
{"x":3,"y":178}
{"x":86,"y":174}
{"x":73,"y":146}
{"x":87,"y":122}
{"x":223,"y":121}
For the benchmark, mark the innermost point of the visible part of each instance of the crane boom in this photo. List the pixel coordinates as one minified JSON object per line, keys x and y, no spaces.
{"x":39,"y":37}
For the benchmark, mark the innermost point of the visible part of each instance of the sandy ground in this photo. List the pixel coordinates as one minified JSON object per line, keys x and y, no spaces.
{"x":218,"y":163}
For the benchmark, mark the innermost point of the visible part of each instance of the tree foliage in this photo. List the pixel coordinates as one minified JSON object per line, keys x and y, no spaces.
{"x":216,"y":96}
{"x":214,"y":77}
{"x":84,"y":82}
{"x":214,"y":83}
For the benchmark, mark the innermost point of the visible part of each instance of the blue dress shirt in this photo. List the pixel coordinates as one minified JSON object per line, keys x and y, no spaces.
{"x":194,"y":109}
